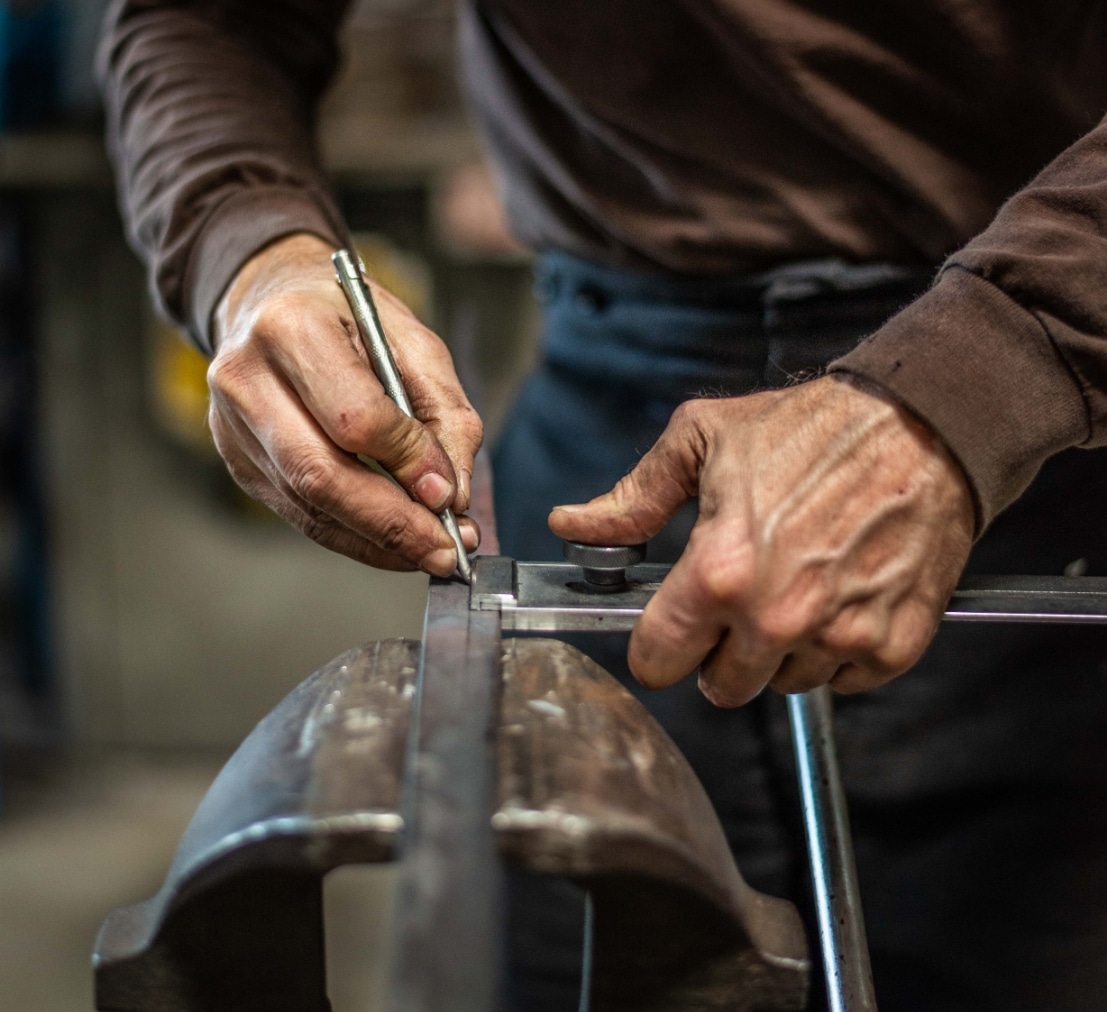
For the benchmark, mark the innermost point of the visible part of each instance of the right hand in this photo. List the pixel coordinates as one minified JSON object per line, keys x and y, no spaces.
{"x":832,"y":528}
{"x":294,"y":400}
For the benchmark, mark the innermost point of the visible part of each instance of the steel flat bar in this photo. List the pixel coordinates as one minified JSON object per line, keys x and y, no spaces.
{"x":841,"y":923}
{"x":550,"y":597}
{"x":1070,"y":600}
{"x":448,"y":938}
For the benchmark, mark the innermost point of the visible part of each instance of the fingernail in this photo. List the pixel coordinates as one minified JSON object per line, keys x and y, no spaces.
{"x":440,"y":562}
{"x":464,"y":481}
{"x":469,"y":537}
{"x":434,"y":490}
{"x":575,"y":508}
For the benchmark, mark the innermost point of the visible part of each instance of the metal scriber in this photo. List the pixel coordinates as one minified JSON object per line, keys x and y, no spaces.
{"x":348,"y":270}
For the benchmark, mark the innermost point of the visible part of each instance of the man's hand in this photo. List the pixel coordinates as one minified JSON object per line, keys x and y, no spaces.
{"x":833,"y":527}
{"x":294,"y":400}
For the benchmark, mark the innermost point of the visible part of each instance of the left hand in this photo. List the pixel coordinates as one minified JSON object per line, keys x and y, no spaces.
{"x":833,"y":527}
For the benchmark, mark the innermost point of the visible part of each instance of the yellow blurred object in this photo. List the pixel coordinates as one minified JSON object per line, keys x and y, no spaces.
{"x":178,"y":376}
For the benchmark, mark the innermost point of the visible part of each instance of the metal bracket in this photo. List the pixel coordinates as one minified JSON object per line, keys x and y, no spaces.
{"x":553,"y":597}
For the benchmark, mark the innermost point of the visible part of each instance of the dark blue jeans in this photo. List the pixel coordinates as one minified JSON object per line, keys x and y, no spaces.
{"x":977,"y":782}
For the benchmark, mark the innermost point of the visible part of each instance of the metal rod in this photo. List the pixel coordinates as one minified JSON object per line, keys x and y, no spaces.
{"x":360,"y":299}
{"x":841,"y":923}
{"x":448,"y":935}
{"x":587,"y":947}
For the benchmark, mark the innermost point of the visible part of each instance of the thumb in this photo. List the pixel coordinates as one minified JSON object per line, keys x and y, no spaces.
{"x":644,"y":501}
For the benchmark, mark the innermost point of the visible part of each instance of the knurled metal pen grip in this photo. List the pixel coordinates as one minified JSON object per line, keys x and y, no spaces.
{"x":372,"y":332}
{"x":360,"y":299}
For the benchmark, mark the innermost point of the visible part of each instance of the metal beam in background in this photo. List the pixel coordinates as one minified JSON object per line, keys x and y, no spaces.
{"x":448,"y":938}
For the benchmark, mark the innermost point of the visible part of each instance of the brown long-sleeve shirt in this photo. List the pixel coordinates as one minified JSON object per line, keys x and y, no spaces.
{"x":703,"y":136}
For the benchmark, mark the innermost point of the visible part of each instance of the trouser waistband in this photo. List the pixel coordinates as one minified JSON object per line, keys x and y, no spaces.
{"x":678,"y":336}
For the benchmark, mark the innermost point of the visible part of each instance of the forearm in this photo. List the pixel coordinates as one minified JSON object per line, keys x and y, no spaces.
{"x":209,"y":124}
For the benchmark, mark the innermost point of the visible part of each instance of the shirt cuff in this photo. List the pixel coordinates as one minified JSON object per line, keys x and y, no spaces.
{"x":239,"y":227}
{"x":984,"y":374}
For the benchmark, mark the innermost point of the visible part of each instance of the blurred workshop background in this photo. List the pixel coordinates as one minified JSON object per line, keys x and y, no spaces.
{"x":150,"y":614}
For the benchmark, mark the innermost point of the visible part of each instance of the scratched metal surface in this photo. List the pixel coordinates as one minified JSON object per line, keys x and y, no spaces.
{"x":591,"y":788}
{"x":238,"y":923}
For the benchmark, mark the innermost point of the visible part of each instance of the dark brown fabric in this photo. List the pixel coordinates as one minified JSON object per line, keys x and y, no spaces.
{"x":723,"y":135}
{"x":209,"y":108}
{"x":984,"y":373}
{"x":705,"y":137}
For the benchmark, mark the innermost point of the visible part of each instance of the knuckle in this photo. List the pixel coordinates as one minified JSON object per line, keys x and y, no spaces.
{"x":243,"y":478}
{"x":779,"y":627}
{"x":725,"y":580}
{"x":471,"y":427}
{"x":315,"y":523}
{"x":854,"y":678}
{"x":353,"y":427}
{"x":862,"y":638}
{"x":406,"y":444}
{"x":640,"y":516}
{"x":694,"y":422}
{"x":687,"y":414}
{"x":280,"y":313}
{"x":227,"y":375}
{"x":254,"y":487}
{"x":393,"y":531}
{"x":900,"y":653}
{"x":315,"y":528}
{"x":311,"y":478}
{"x":858,"y":630}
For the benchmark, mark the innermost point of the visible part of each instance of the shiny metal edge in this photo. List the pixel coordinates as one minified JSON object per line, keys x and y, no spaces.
{"x":551,"y":597}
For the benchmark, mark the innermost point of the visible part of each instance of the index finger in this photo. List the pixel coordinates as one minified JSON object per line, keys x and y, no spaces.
{"x":679,"y":626}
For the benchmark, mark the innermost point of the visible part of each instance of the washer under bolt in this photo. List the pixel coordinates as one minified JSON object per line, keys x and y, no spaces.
{"x":604,"y":566}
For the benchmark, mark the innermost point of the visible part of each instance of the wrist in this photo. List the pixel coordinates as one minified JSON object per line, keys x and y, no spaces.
{"x":909,"y":433}
{"x":274,"y":268}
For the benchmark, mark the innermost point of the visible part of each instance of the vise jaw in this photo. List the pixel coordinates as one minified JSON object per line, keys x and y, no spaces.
{"x":455,"y":757}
